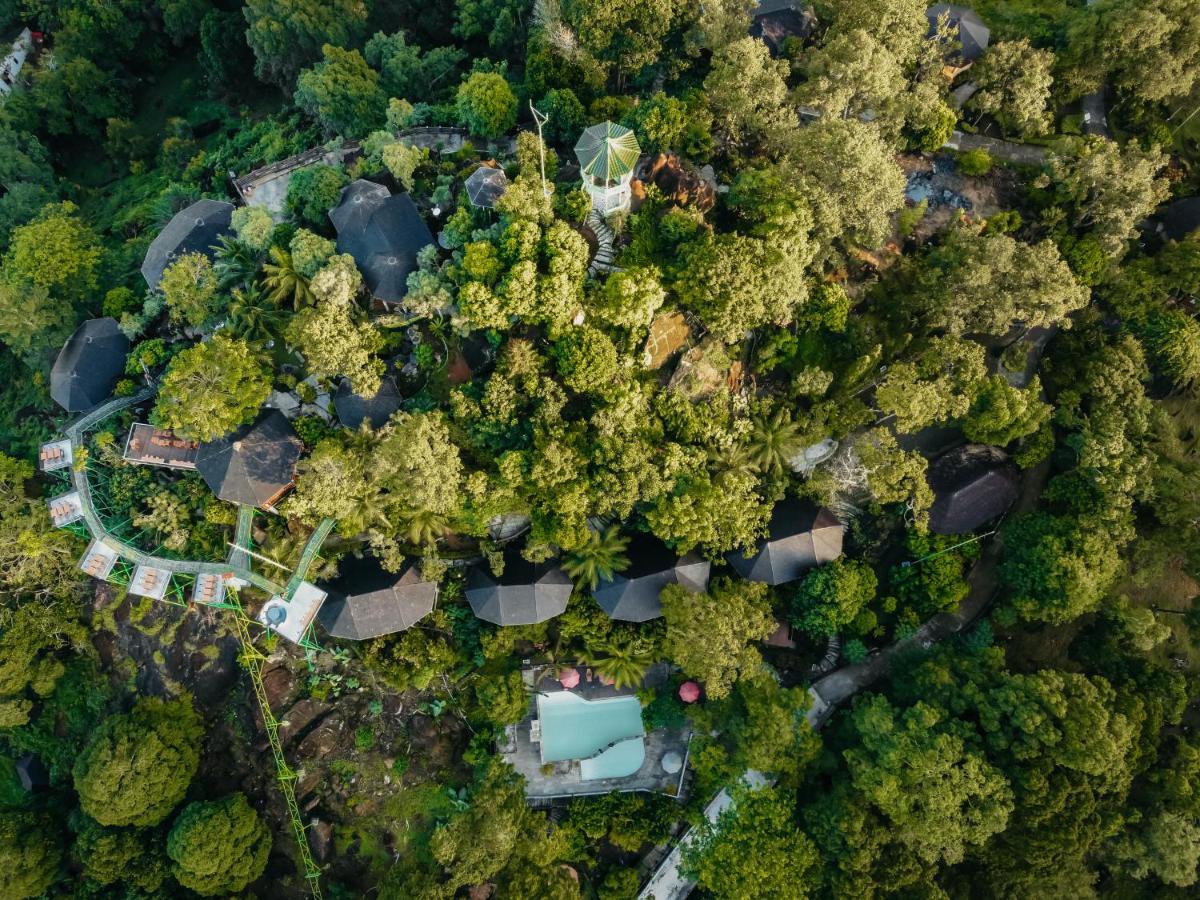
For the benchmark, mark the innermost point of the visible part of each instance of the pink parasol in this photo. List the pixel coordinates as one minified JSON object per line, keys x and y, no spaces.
{"x":689,"y":692}
{"x":569,"y":678}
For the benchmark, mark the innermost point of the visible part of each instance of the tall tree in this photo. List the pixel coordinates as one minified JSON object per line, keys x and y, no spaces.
{"x":137,"y":767}
{"x":486,"y":105}
{"x":332,"y":335}
{"x":710,"y":636}
{"x":941,"y":797}
{"x":189,"y":287}
{"x":286,"y":35}
{"x":850,"y":177}
{"x":36,"y":559}
{"x":57,"y":251}
{"x":30,"y":855}
{"x":218,"y":847}
{"x":747,"y":93}
{"x":1014,"y":81}
{"x":754,"y":850}
{"x":902,"y":23}
{"x":212,"y":388}
{"x":937,"y":385}
{"x":342,"y":93}
{"x":407,"y":71}
{"x":1107,"y":189}
{"x":828,"y":598}
{"x":984,"y":282}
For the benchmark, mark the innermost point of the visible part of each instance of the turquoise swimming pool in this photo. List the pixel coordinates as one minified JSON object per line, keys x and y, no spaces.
{"x":605,"y":735}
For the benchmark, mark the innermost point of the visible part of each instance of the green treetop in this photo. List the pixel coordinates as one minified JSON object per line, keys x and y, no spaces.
{"x":342,"y":93}
{"x":828,"y":598}
{"x":138,"y":765}
{"x":754,"y":850}
{"x":218,"y":847}
{"x":486,"y":105}
{"x":30,"y":855}
{"x":190,"y":289}
{"x":711,"y":636}
{"x":212,"y":388}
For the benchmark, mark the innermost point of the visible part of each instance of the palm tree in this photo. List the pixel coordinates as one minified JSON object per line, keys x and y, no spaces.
{"x":235,"y":263}
{"x":600,"y":557}
{"x":371,"y":511}
{"x":734,"y":458}
{"x":620,"y":659}
{"x":423,"y":527}
{"x":283,"y":281}
{"x":774,"y":440}
{"x":252,"y":315}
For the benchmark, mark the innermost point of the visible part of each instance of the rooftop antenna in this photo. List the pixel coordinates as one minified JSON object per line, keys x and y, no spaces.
{"x":541,"y":118}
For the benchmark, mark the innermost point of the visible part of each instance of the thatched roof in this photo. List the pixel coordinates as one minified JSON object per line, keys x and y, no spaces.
{"x":801,"y":535}
{"x":972,"y":485}
{"x":632,"y":595}
{"x":89,"y":365}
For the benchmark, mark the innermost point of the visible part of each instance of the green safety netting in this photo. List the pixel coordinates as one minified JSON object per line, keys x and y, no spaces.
{"x":607,"y":151}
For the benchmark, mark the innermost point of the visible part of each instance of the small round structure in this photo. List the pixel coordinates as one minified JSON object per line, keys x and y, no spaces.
{"x":485,"y":186}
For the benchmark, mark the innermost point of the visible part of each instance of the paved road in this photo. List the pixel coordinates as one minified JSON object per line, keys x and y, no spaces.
{"x":1023,"y":154}
{"x":668,"y":882}
{"x":1095,"y":117}
{"x":838,"y":687}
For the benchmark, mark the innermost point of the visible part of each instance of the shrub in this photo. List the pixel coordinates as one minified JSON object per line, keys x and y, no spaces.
{"x":975,"y":162}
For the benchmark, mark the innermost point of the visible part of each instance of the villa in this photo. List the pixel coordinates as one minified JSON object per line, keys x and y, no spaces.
{"x":193,"y":230}
{"x":366,"y":601}
{"x":525,"y":594}
{"x":384,"y":232}
{"x":799,"y":537}
{"x":89,"y":365}
{"x":255,"y":465}
{"x":972,"y":485}
{"x":589,"y":738}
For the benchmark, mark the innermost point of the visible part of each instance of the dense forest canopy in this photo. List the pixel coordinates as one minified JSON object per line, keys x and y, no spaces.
{"x":825,"y":376}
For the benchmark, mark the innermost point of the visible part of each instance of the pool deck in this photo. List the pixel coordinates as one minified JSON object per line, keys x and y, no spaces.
{"x":565,"y":781}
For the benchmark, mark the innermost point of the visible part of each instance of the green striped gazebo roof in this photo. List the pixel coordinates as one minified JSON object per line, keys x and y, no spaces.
{"x":607,"y":152}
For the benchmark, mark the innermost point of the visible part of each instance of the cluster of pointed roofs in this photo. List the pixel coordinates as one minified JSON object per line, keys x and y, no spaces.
{"x":255,"y":465}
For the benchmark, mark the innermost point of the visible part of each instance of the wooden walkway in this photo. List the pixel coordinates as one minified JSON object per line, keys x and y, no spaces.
{"x":238,"y":563}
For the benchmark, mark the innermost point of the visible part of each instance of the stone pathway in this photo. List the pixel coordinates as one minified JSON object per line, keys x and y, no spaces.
{"x":1022,"y":154}
{"x":602,"y":261}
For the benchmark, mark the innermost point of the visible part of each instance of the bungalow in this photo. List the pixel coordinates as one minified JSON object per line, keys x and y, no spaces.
{"x":972,"y":485}
{"x":89,"y":365}
{"x":384,"y":233}
{"x":367,"y":601}
{"x":524,"y":594}
{"x":632,"y":595}
{"x":193,"y":230}
{"x":255,"y":465}
{"x":965,"y":25}
{"x":801,"y":535}
{"x":774,"y":21}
